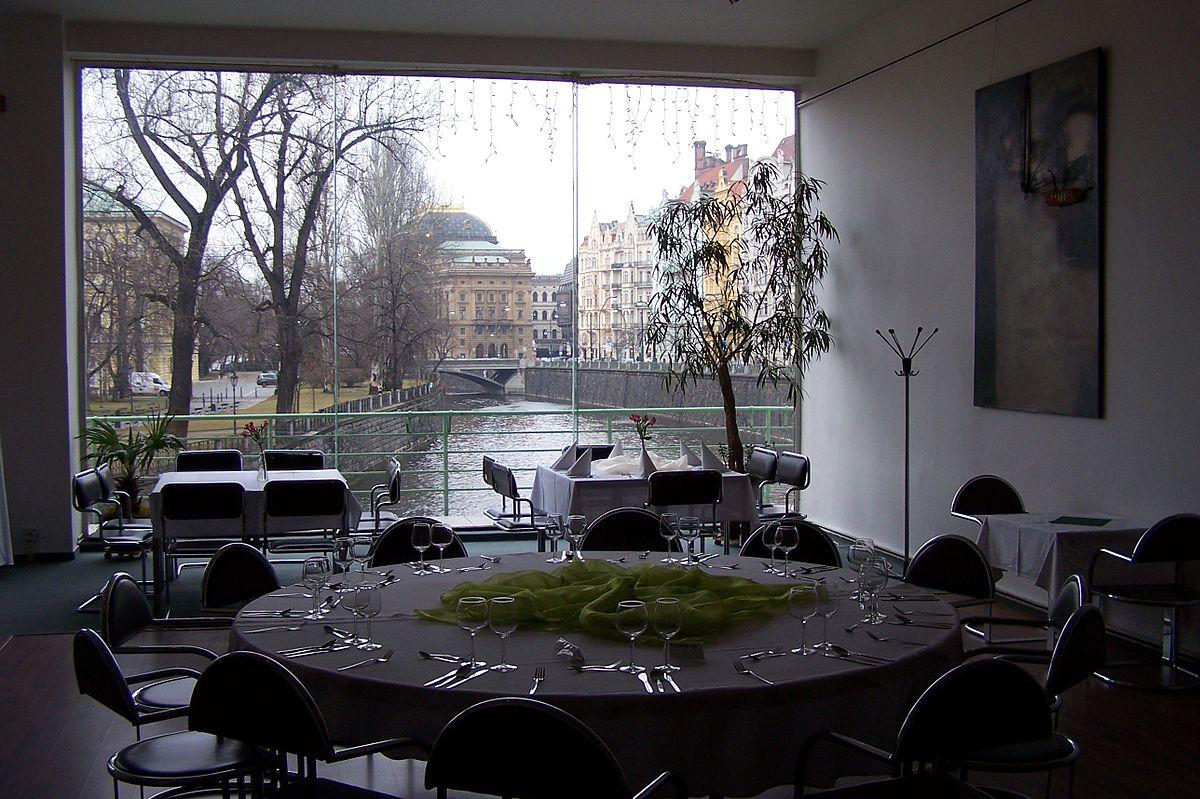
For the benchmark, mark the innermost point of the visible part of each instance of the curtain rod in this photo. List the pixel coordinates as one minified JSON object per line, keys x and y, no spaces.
{"x":929,"y":46}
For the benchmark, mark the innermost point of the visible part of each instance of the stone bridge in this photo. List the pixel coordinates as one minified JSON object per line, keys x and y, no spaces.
{"x":498,"y":375}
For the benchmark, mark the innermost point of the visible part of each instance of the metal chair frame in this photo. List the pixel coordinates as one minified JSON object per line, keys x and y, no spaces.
{"x":136,"y":537}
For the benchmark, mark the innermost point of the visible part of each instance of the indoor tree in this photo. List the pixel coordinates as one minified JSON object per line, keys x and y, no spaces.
{"x":737,"y":275}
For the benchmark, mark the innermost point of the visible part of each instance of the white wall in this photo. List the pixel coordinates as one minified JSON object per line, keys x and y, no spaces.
{"x":897,"y":150}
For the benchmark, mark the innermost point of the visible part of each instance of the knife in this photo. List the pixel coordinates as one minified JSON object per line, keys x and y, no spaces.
{"x":469,"y":677}
{"x":645,"y":681}
{"x":671,"y":681}
{"x":449,"y":676}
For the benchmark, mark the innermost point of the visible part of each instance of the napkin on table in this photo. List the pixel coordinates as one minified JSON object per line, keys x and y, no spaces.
{"x":710,"y":461}
{"x":692,"y":458}
{"x":566,"y":459}
{"x":617,"y":450}
{"x":583,"y":466}
{"x":647,"y":468}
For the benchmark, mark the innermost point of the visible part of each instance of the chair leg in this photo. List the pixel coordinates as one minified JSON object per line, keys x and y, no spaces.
{"x":84,"y":607}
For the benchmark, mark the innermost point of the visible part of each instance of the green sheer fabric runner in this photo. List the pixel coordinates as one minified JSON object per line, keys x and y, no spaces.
{"x":584,"y":596}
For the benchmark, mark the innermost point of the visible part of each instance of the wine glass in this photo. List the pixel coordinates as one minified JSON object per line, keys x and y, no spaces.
{"x":873,"y":578}
{"x":366,"y":603}
{"x":631,"y":621}
{"x":441,"y":537}
{"x":502,"y":618}
{"x":422,"y":539}
{"x":554,"y":534}
{"x":827,"y":606}
{"x":802,"y":605}
{"x":689,"y":531}
{"x":471,"y":614}
{"x":788,"y":538}
{"x":861,"y":551}
{"x":770,"y":539}
{"x":314,"y":575}
{"x":576,"y":527}
{"x":668,"y":621}
{"x":360,"y":552}
{"x":668,"y":528}
{"x":356,"y":602}
{"x":342,"y":559}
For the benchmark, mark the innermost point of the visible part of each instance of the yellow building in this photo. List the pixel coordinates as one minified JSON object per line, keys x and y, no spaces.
{"x":484,"y":289}
{"x":616,"y":272}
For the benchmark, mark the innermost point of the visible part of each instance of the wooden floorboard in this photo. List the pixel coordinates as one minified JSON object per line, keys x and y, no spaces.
{"x":56,"y":743}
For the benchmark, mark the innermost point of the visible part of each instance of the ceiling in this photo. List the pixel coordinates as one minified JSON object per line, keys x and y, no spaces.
{"x":791,"y":24}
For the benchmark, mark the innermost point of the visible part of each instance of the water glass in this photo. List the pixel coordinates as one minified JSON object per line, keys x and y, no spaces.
{"x":788,"y":538}
{"x":689,"y":531}
{"x":502,"y":618}
{"x":827,"y":605}
{"x":314,"y":575}
{"x":554,"y":534}
{"x":802,"y":606}
{"x":365,"y":603}
{"x":422,"y":539}
{"x":441,"y":537}
{"x":631,"y":621}
{"x":471,"y":614}
{"x":873,"y":578}
{"x":861,"y":551}
{"x":668,"y":621}
{"x":343,"y":559}
{"x":770,"y":539}
{"x":361,"y":547}
{"x":576,"y":527}
{"x":668,"y":528}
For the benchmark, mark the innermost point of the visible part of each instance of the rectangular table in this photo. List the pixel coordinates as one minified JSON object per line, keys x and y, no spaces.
{"x":556,"y":492}
{"x":252,"y":512}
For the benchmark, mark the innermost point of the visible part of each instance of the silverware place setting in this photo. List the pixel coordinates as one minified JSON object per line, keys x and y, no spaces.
{"x":836,"y":650}
{"x":440,"y":656}
{"x":883,"y":639}
{"x":742,"y":668}
{"x":276,"y":628}
{"x":905,"y":621}
{"x":539,"y":674}
{"x":765,"y":653}
{"x":479,"y":672}
{"x":462,"y":670}
{"x":384,"y":658}
{"x":904,"y":612}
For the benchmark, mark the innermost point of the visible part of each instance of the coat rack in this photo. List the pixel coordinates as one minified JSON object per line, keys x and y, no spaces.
{"x":907,"y":372}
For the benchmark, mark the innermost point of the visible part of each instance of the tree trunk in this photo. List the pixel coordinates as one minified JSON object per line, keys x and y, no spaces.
{"x":733,"y":436}
{"x":183,"y":337}
{"x":290,"y":353}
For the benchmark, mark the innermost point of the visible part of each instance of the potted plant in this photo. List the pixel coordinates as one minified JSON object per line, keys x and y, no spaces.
{"x":131,"y":452}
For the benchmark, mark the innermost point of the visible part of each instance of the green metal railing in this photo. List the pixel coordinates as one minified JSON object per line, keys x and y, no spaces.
{"x":440,"y":451}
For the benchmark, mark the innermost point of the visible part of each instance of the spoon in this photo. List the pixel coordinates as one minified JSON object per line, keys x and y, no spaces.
{"x":439,"y":656}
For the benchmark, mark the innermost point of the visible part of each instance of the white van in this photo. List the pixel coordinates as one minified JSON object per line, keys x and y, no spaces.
{"x":148,"y":383}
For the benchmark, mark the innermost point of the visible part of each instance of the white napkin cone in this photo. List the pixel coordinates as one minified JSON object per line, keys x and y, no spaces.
{"x":692,"y":458}
{"x":710,"y":461}
{"x":565,"y":460}
{"x":648,"y":468}
{"x":583,"y":466}
{"x":617,"y":450}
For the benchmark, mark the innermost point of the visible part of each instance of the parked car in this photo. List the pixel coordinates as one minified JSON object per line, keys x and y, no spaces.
{"x":268,"y":379}
{"x":148,"y":383}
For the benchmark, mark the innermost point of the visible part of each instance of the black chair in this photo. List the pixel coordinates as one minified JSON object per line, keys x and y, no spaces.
{"x":1175,"y":539}
{"x":989,"y":707}
{"x":99,"y":676}
{"x":197,"y":520}
{"x":238,"y":573}
{"x":186,"y":760}
{"x":761,"y":467}
{"x":294,"y":459}
{"x":248,"y":697}
{"x":795,"y":471}
{"x":488,"y":463}
{"x":687,"y":487}
{"x":212,"y":460}
{"x":504,"y":483}
{"x":626,"y":530}
{"x":599,"y":451}
{"x":985,"y":495}
{"x":1071,"y":596}
{"x":384,"y":495}
{"x":459,"y":762}
{"x":395,"y":545}
{"x":303,"y":515}
{"x":92,"y":495}
{"x":816,"y":545}
{"x":954,"y":564}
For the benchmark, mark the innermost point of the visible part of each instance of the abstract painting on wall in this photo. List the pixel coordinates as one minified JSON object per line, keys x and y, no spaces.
{"x":1038,"y":255}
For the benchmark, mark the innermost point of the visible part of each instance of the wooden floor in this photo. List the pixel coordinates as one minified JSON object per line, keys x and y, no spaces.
{"x":53,"y":743}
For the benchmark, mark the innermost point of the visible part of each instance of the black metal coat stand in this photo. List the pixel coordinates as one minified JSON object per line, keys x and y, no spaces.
{"x":907,"y":372}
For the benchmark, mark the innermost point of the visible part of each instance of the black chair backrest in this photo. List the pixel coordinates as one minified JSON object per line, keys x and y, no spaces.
{"x":625,"y":529}
{"x":86,"y":489}
{"x":98,"y":675}
{"x":685,"y":487}
{"x":816,"y":545}
{"x":1079,"y":651}
{"x":952,"y":563}
{"x":212,"y":460}
{"x":236,"y":573}
{"x":984,"y":495}
{"x":395,"y":479}
{"x":294,"y":459}
{"x":762,"y":464}
{"x":1069,"y":599}
{"x":304,"y":498}
{"x":124,"y":611}
{"x":599,"y":451}
{"x":1174,"y":538}
{"x":460,"y":761}
{"x":104,"y":473}
{"x":252,"y":698}
{"x":197,"y":501}
{"x":975,"y":706}
{"x":504,"y":482}
{"x":395,"y":544}
{"x":488,"y":464}
{"x":793,"y":469}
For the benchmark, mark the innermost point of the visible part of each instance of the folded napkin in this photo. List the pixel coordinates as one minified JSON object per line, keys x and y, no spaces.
{"x":647,"y":465}
{"x":566,"y":459}
{"x":686,"y":452}
{"x":583,"y":466}
{"x":617,"y":450}
{"x":710,"y":461}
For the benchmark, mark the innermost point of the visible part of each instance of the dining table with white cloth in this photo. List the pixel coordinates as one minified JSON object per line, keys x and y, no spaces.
{"x":558,"y":492}
{"x":725,"y":732}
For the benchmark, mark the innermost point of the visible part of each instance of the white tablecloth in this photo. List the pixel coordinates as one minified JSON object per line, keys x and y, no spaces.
{"x":555,"y":492}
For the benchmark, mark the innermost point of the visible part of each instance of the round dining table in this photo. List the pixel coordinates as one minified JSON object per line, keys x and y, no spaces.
{"x":727,"y":733}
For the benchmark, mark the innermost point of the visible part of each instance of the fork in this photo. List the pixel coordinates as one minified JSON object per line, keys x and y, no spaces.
{"x":539,"y":674}
{"x":742,"y":668}
{"x":384,"y":658}
{"x":883,"y":639}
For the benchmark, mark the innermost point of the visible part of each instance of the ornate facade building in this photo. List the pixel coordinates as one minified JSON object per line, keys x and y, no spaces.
{"x":547,"y":308}
{"x":616,"y":272}
{"x":484,"y":289}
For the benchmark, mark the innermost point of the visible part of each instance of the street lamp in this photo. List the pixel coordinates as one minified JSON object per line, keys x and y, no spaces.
{"x":233,"y":380}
